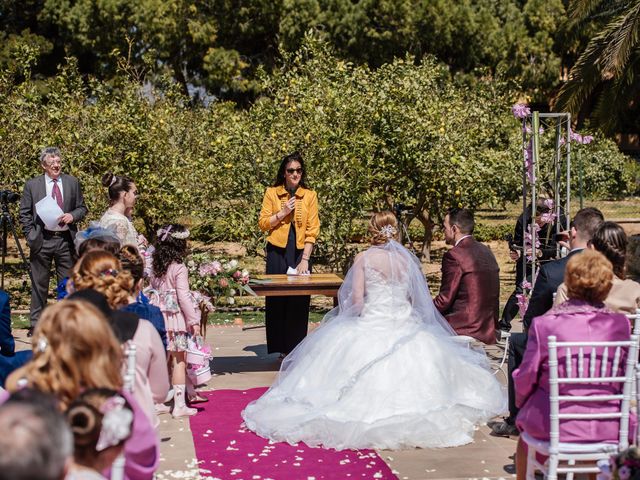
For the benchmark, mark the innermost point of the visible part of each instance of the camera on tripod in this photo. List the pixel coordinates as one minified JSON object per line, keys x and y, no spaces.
{"x":512,"y":245}
{"x":401,"y":208}
{"x":7,"y":196}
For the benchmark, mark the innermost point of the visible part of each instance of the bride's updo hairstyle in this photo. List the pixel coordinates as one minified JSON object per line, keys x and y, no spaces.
{"x":102,"y":271}
{"x":383,"y":227}
{"x":116,"y":185}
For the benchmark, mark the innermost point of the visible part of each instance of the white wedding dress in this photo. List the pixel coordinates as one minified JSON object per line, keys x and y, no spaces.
{"x":381,"y":371}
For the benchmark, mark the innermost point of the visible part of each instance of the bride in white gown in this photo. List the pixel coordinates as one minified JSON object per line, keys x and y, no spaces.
{"x":382,"y":370}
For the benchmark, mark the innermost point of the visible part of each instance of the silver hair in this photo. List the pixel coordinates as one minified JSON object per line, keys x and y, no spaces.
{"x":49,"y":152}
{"x":37,"y":442}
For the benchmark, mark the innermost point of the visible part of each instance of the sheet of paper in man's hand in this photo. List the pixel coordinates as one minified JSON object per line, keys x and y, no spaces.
{"x":49,"y":212}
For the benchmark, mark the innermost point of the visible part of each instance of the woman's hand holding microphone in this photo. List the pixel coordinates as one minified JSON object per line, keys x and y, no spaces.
{"x":288,"y":207}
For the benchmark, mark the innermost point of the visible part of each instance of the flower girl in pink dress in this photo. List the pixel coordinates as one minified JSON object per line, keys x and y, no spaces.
{"x":170,"y":279}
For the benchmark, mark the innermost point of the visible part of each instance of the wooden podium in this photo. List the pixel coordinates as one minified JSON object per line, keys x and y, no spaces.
{"x":283,"y":285}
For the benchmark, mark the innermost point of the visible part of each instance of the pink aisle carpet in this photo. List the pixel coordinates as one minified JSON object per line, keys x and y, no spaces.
{"x":227,"y":450}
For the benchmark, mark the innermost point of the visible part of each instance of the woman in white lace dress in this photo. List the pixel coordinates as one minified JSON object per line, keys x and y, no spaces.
{"x":122,"y":199}
{"x":383,"y":370}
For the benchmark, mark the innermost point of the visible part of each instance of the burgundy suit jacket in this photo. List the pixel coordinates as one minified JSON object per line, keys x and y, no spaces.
{"x":470,"y":291}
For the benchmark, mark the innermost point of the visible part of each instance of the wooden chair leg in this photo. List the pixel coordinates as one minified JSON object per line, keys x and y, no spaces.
{"x":531,"y":463}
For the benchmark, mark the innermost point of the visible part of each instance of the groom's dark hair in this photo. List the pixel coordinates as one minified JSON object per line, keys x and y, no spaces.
{"x":463,"y":218}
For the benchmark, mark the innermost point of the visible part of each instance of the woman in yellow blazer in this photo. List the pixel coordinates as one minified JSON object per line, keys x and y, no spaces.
{"x":286,"y":204}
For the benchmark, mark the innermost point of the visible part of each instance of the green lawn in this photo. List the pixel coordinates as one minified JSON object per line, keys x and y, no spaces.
{"x":252,"y":318}
{"x":216,"y":318}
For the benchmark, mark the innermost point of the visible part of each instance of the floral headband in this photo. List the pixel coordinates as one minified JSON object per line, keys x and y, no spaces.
{"x":116,"y":423}
{"x":388,"y":231}
{"x":163,"y":233}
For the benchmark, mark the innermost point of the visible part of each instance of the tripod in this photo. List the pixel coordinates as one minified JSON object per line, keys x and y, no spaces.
{"x":400,"y":213}
{"x":7,"y":223}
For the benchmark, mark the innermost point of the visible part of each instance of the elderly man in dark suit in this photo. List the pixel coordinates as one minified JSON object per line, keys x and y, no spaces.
{"x":47,"y":245}
{"x":470,"y":291}
{"x":550,"y":276}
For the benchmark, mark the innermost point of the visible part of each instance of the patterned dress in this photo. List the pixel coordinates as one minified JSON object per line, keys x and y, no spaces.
{"x":172,"y":295}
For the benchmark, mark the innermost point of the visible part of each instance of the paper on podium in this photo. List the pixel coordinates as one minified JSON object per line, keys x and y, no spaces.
{"x":294,"y":272}
{"x":49,"y":212}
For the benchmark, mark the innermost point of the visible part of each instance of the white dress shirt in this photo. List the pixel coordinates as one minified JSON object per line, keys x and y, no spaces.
{"x":48,"y":183}
{"x":460,"y":239}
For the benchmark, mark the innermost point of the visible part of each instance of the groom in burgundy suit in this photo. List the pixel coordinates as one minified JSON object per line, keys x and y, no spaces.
{"x":470,"y":291}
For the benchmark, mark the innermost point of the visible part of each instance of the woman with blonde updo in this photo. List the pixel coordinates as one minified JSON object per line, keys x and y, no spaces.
{"x":583,"y":317}
{"x":74,"y":349}
{"x":103,"y":272}
{"x":383,"y":227}
{"x":383,"y":369}
{"x":101,"y":420}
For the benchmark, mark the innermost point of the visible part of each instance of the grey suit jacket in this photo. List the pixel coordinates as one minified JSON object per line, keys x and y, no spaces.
{"x":34,"y":191}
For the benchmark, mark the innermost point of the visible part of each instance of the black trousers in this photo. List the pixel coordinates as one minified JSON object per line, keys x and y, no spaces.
{"x":511,"y":307}
{"x":517,"y":346}
{"x":57,"y":249}
{"x":286,"y":318}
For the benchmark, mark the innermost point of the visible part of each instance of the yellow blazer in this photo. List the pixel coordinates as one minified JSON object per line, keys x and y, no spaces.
{"x":307,"y":222}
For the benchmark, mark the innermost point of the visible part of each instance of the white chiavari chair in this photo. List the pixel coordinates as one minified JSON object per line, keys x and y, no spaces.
{"x":570,"y":458}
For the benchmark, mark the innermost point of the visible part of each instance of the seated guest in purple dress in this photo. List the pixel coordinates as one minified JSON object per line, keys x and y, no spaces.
{"x":9,"y":358}
{"x":582,"y":318}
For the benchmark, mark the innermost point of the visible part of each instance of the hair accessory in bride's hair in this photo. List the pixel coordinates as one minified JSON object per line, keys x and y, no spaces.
{"x":388,"y":231}
{"x":114,"y":179}
{"x":116,"y":423}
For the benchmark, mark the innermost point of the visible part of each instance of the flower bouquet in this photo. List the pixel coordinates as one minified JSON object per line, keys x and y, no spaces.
{"x":220,"y":281}
{"x":623,"y":466}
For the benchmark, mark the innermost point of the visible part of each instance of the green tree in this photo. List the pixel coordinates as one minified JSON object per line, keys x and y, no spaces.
{"x":603,"y":77}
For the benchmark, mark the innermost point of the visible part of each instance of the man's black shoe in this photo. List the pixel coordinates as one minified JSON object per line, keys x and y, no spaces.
{"x":30,"y":332}
{"x":504,"y":429}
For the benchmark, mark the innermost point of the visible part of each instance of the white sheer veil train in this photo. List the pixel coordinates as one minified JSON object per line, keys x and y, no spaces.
{"x":383,"y":370}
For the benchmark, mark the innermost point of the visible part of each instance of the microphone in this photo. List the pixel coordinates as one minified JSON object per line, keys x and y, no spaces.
{"x":292,"y":193}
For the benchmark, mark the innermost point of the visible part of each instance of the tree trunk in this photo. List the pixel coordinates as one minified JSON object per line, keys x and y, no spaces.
{"x":428,"y":225}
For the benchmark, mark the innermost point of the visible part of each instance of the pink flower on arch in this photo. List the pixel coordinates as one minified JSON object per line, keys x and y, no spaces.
{"x":528,"y":162}
{"x":520,"y":110}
